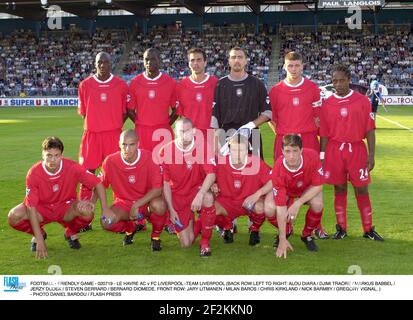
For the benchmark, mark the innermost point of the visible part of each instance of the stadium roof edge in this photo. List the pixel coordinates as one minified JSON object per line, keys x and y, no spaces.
{"x":34,"y":10}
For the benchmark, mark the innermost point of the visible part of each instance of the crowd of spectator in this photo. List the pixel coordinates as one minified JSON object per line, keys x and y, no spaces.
{"x":54,"y":63}
{"x":387,"y":57}
{"x":173,"y":48}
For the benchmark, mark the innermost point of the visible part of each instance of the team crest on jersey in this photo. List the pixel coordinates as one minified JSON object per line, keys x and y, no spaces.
{"x":275,"y":192}
{"x":132,"y":179}
{"x":237,"y":184}
{"x":103,"y":97}
{"x":55,"y":188}
{"x":300,"y":184}
{"x":344,"y":112}
{"x":239,"y":92}
{"x":27,"y":191}
{"x":198,"y":97}
{"x":151,"y":94}
{"x":128,"y":98}
{"x":372,"y":116}
{"x":320,"y":171}
{"x":327,"y":174}
{"x":296,"y":101}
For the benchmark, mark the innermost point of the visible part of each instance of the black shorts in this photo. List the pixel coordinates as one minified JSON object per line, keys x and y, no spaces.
{"x":374,"y":106}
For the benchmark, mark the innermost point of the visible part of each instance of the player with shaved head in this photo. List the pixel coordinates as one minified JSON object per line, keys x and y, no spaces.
{"x":137,"y":190}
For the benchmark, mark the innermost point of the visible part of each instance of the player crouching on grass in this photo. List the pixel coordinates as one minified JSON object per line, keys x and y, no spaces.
{"x":240,"y":181}
{"x":51,"y":197}
{"x":137,"y":191}
{"x":188,"y":177}
{"x":296,"y":175}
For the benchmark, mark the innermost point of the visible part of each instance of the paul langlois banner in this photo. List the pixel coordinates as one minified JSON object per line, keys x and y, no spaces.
{"x":350,"y":3}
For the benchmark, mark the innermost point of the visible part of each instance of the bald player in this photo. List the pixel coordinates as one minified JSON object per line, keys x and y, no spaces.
{"x":137,"y":190}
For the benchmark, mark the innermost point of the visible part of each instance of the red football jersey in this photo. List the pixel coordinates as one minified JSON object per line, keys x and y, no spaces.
{"x":185,"y":170}
{"x":239,"y":184}
{"x":103,"y":103}
{"x":195,"y":100}
{"x":45,"y":188}
{"x":295,"y":107}
{"x":152,"y":98}
{"x":293,"y":183}
{"x":346,"y":119}
{"x":131,"y":181}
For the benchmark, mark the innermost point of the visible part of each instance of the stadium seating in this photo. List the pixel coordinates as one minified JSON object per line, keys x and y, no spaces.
{"x":173,"y":47}
{"x":388,"y":57}
{"x":53,"y":64}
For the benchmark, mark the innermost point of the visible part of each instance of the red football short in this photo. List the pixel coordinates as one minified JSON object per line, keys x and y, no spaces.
{"x":182,"y":205}
{"x":150,"y":137}
{"x":54,"y":213}
{"x":346,"y":162}
{"x":126,"y":205}
{"x":96,"y":146}
{"x":234,"y":208}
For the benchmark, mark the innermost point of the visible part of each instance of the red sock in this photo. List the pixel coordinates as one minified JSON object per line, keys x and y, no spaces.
{"x":224,"y":222}
{"x":122,"y":226}
{"x":74,"y":226}
{"x":320,"y":226}
{"x":207,"y":217}
{"x":220,"y":221}
{"x":274,"y":222}
{"x":168,"y":220}
{"x":197,"y":228}
{"x":24,"y":226}
{"x":158,"y":223}
{"x":85,"y":193}
{"x":366,"y":212}
{"x":340,"y":207}
{"x":312,"y":221}
{"x":257,"y":221}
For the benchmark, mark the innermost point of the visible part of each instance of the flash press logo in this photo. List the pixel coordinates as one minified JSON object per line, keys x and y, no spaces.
{"x":12,"y":284}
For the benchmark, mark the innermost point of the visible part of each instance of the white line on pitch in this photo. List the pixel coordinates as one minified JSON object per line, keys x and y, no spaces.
{"x":396,"y":123}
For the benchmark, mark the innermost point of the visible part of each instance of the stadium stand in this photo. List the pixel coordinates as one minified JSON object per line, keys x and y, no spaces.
{"x":54,"y":63}
{"x":173,"y":47}
{"x":387,"y":57}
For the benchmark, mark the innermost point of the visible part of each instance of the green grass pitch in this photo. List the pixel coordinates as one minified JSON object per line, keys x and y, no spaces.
{"x":22,"y":131}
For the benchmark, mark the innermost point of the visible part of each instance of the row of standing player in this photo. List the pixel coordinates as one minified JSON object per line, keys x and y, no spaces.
{"x":237,"y":99}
